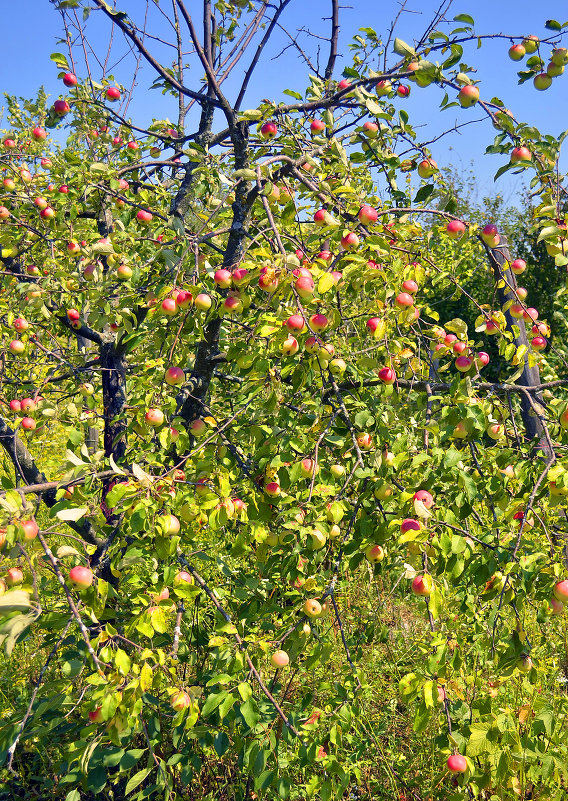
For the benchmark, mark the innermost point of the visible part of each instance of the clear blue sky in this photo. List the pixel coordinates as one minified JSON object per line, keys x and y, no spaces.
{"x":35,"y":27}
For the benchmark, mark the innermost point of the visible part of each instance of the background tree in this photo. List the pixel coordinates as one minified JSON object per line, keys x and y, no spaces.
{"x":268,"y":529}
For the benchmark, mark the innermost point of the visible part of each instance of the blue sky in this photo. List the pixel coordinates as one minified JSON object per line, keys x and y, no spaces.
{"x":35,"y":27}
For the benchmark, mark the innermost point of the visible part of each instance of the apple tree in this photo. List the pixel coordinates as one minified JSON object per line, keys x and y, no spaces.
{"x":239,"y":440}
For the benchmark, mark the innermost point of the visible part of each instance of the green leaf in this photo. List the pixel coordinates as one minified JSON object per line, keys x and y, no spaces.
{"x":403,"y":49}
{"x":464,"y":18}
{"x":73,"y":514}
{"x":135,"y":780}
{"x":249,"y":712}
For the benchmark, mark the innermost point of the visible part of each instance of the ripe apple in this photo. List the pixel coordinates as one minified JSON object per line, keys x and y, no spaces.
{"x":402,"y":90}
{"x":61,"y":108}
{"x":318,"y":322}
{"x":490,"y":235}
{"x":468,"y":96}
{"x":70,"y":80}
{"x":517,"y":52}
{"x":5,"y":213}
{"x":268,"y":130}
{"x":457,"y":763}
{"x":169,"y":306}
{"x":154,"y":417}
{"x":47,"y":213}
{"x":424,"y":497}
{"x":223,"y":278}
{"x":367,"y":215}
{"x":112,"y":94}
{"x":371,"y":129}
{"x":373,"y":324}
{"x":268,"y":282}
{"x":560,"y":591}
{"x":387,"y":375}
{"x":16,"y":346}
{"x":290,"y":346}
{"x":28,"y":405}
{"x":375,"y":553}
{"x":455,"y":229}
{"x":81,"y":577}
{"x":144,"y":216}
{"x":409,"y":524}
{"x":180,"y":700}
{"x":316,"y":126}
{"x":272,"y":489}
{"x":9,"y":184}
{"x":21,"y":324}
{"x":312,"y":608}
{"x":295,"y":323}
{"x":410,"y":286}
{"x":463,"y":363}
{"x":422,"y":585}
{"x":73,"y":247}
{"x":174,"y":376}
{"x":304,"y":287}
{"x":15,"y":405}
{"x":183,"y":577}
{"x":31,"y":529}
{"x":39,"y":134}
{"x":349,"y":241}
{"x":307,"y":468}
{"x":520,"y":154}
{"x":404,"y":300}
{"x":123,"y":272}
{"x":28,"y":424}
{"x":518,"y":266}
{"x":344,"y":84}
{"x":14,"y":576}
{"x":539,"y":343}
{"x":482,"y":359}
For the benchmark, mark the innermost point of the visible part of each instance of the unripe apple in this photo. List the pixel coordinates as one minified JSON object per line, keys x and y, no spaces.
{"x":455,"y":229}
{"x":312,"y":608}
{"x":337,"y":470}
{"x":457,"y":763}
{"x":307,"y":468}
{"x":268,"y":130}
{"x":367,"y":215}
{"x":280,"y":659}
{"x":524,"y":664}
{"x":86,"y":389}
{"x":468,"y":96}
{"x":168,"y":524}
{"x":554,"y":70}
{"x":14,"y":576}
{"x":183,"y":577}
{"x":198,"y":427}
{"x":96,"y":715}
{"x":154,"y":417}
{"x":371,"y":129}
{"x":375,"y":553}
{"x":495,"y":431}
{"x":383,"y":492}
{"x":337,"y":366}
{"x":427,"y":168}
{"x":318,"y":539}
{"x":517,"y":52}
{"x":383,"y":88}
{"x":365,"y":441}
{"x":81,"y":577}
{"x":290,"y":346}
{"x":542,"y":81}
{"x":180,"y":700}
{"x":202,"y":302}
{"x":123,"y":272}
{"x":422,"y":585}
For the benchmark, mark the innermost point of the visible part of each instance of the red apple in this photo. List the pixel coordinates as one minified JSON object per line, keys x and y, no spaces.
{"x":174,"y":376}
{"x":424,"y":497}
{"x":455,"y":229}
{"x":28,"y":424}
{"x":468,"y":96}
{"x":295,"y":323}
{"x":268,"y":130}
{"x":112,"y":94}
{"x":61,"y":108}
{"x":520,"y":154}
{"x":367,"y":215}
{"x":387,"y":375}
{"x":14,"y":576}
{"x":517,"y":52}
{"x":457,"y":763}
{"x":39,"y":134}
{"x":154,"y":417}
{"x":316,"y":126}
{"x":144,"y":216}
{"x":422,"y":585}
{"x":81,"y":577}
{"x":350,"y":240}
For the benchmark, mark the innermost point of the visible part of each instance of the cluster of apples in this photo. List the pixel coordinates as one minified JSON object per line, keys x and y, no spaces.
{"x":558,"y":60}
